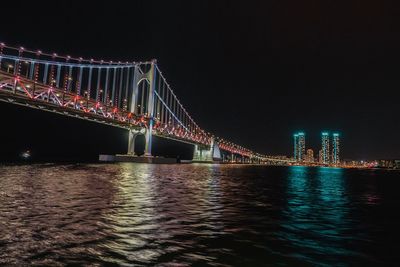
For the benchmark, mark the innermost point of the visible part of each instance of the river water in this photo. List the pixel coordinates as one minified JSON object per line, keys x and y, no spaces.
{"x":181,"y":215}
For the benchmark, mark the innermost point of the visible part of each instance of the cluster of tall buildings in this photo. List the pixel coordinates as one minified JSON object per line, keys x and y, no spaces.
{"x":328,"y":154}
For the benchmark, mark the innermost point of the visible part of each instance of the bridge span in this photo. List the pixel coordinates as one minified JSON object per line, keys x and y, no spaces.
{"x":131,"y":95}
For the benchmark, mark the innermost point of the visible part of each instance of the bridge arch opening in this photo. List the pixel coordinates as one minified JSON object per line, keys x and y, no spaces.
{"x":140,"y":143}
{"x":142,"y":96}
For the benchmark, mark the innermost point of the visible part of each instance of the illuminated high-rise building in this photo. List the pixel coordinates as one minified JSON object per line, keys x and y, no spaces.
{"x":335,"y":149}
{"x":299,"y":143}
{"x":302,"y":147}
{"x":325,"y":148}
{"x":295,"y":145}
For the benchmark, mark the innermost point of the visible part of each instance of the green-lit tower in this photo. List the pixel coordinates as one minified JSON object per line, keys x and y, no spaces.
{"x":335,"y":149}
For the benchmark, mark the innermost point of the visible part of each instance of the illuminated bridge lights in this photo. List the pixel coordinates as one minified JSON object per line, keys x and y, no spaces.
{"x":100,"y":89}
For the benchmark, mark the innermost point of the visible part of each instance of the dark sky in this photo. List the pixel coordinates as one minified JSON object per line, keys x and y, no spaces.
{"x":251,"y":71}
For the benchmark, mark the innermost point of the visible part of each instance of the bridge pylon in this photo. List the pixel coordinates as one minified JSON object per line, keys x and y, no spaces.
{"x":150,"y":77}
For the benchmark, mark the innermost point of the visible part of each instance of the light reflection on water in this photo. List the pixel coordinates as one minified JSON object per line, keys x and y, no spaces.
{"x":317,"y":210}
{"x":220,"y":215}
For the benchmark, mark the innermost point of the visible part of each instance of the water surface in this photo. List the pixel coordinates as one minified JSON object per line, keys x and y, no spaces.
{"x":180,"y":215}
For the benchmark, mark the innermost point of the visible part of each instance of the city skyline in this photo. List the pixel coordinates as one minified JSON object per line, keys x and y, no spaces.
{"x":328,"y":152}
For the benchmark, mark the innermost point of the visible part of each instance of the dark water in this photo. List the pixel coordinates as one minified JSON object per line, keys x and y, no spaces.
{"x":179,"y":215}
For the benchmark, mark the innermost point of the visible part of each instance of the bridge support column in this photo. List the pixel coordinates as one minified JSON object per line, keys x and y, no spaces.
{"x":131,"y":141}
{"x":206,"y":154}
{"x":150,"y":108}
{"x":148,"y":138}
{"x":202,"y":154}
{"x":150,"y":77}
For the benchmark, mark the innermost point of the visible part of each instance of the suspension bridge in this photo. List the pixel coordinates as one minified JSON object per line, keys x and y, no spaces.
{"x":131,"y":95}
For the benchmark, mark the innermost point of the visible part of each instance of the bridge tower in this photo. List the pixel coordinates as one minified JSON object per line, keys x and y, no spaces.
{"x":150,"y":78}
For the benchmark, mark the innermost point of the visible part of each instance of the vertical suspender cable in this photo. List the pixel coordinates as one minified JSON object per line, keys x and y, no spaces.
{"x":163,"y":107}
{"x":105,"y":96}
{"x":32,"y":71}
{"x":113,"y":87}
{"x":158,"y":100}
{"x":46,"y":72}
{"x":69,"y":87}
{"x":121,"y":81}
{"x":79,"y":81}
{"x":89,"y":82}
{"x":98,"y":84}
{"x":142,"y":100}
{"x":52,"y":70}
{"x":58,"y":75}
{"x":127,"y":88}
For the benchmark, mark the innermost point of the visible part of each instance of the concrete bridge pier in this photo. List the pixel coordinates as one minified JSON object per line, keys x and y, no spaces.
{"x":133,"y":133}
{"x":202,"y":154}
{"x":207,"y":153}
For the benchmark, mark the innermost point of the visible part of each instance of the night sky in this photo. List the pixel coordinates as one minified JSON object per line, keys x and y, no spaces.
{"x":253,"y":72}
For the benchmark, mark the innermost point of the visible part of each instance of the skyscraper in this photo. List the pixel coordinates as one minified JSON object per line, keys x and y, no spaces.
{"x":299,"y":142}
{"x":295,"y":144}
{"x":335,"y":149}
{"x":325,"y":148}
{"x":302,"y":146}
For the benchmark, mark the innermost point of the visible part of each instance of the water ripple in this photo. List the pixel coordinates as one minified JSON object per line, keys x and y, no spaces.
{"x":181,"y":215}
